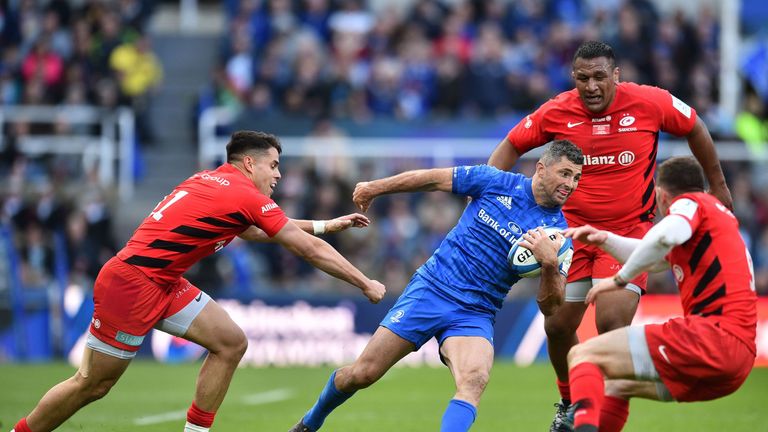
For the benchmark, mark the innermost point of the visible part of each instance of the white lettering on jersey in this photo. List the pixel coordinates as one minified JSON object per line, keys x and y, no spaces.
{"x":508,"y":234}
{"x":625,"y":158}
{"x":684,"y":207}
{"x":601,"y":119}
{"x":681,"y":106}
{"x":268,"y":207}
{"x":220,"y":180}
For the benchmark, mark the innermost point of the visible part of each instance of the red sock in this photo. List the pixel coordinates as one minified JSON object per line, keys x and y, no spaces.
{"x":565,"y":390}
{"x":614,"y":414}
{"x":588,"y":390}
{"x":199,"y":417}
{"x":21,"y":426}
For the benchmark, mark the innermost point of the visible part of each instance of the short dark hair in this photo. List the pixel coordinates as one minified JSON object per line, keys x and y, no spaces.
{"x":559,"y":149}
{"x":682,"y":174}
{"x":595,"y":49}
{"x":245,"y":141}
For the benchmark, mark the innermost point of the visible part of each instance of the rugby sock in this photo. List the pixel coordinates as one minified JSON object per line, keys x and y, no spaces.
{"x":587,"y":389}
{"x":565,"y":391}
{"x":198,"y":420}
{"x":330,"y":398}
{"x":458,"y":417}
{"x":614,"y":414}
{"x":21,"y":426}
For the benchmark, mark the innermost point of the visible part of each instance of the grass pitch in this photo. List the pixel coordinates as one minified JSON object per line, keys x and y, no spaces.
{"x":153,"y":397}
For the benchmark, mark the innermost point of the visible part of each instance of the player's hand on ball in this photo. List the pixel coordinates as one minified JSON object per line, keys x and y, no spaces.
{"x":587,"y":234}
{"x":539,"y":243}
{"x":363,"y":195}
{"x":374,"y":290}
{"x":347,"y":221}
{"x":604,"y":285}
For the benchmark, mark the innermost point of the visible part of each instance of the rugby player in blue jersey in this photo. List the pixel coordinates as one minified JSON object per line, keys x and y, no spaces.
{"x":455,"y":295}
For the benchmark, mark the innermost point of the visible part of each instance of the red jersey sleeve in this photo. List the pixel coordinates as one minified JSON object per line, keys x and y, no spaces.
{"x":263,"y":212}
{"x":676,"y":117}
{"x":688,"y":209}
{"x":530,"y":133}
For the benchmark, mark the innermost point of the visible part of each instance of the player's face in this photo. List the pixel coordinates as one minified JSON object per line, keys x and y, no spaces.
{"x":556,"y":182}
{"x":263,"y":169}
{"x":595,"y":80}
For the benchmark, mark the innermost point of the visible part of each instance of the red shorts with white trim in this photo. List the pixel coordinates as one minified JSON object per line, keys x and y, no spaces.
{"x":696,"y":359}
{"x":128,"y":304}
{"x":591,"y":262}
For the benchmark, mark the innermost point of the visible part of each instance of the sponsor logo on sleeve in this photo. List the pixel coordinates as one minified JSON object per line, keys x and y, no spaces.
{"x":684,"y":207}
{"x":267,"y":207}
{"x":529,"y":122}
{"x":681,"y":106}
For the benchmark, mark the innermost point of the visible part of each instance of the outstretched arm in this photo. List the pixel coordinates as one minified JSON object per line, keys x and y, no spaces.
{"x":341,"y":223}
{"x":649,"y":254}
{"x":703,"y":148}
{"x":323,"y":256}
{"x":436,"y":179}
{"x":504,"y":156}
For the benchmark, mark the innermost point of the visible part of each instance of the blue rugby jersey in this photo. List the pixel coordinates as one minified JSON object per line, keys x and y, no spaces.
{"x":470,"y":265}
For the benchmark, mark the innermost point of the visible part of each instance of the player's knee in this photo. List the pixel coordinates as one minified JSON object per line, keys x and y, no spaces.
{"x":364,"y":375}
{"x":475,"y":381}
{"x":556,"y":328}
{"x":92,"y":389}
{"x":606,"y":324}
{"x":618,"y":388}
{"x":234,"y":345}
{"x":580,"y":353}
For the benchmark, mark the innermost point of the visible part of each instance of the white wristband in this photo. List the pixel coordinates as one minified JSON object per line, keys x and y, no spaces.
{"x":318,"y":227}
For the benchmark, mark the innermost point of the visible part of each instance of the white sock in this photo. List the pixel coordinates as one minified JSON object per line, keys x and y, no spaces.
{"x":189,"y":427}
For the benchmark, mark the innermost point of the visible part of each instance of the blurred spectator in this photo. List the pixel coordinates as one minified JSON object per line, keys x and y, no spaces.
{"x":138,"y":72}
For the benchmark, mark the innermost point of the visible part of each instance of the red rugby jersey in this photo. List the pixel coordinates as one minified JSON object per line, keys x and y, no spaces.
{"x":202,"y":215}
{"x":713,"y":268}
{"x":620,"y":144}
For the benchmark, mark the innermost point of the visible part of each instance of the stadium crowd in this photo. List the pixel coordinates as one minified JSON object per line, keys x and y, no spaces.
{"x":331,"y":64}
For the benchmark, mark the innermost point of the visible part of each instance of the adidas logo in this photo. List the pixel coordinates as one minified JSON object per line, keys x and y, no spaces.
{"x":506,"y":201}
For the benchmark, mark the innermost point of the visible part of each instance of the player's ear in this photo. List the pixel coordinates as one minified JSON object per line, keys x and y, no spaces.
{"x":616,"y":73}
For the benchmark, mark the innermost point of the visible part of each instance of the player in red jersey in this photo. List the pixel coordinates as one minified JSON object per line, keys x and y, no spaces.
{"x":142,"y":287}
{"x":617,"y":127}
{"x":704,"y":355}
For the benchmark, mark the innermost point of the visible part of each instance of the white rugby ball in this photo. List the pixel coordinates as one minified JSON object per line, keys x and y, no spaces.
{"x":523,"y":262}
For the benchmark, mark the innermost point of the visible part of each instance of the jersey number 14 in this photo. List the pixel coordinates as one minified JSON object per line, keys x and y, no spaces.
{"x":163,"y":205}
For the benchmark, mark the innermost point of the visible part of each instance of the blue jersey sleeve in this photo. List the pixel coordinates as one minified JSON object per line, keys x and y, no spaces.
{"x":474,"y":180}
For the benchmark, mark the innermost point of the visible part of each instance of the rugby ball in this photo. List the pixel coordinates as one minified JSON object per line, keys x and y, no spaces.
{"x":523,"y":262}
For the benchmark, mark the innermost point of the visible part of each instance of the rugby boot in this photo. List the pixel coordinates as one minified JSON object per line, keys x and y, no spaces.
{"x":563,"y":421}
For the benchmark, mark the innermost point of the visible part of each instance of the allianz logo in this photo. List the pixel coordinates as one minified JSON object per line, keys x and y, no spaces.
{"x":624,"y":158}
{"x":506,"y":201}
{"x":268,"y":207}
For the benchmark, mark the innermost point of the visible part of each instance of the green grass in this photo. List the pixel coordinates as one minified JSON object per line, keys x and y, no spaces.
{"x":517,"y":399}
